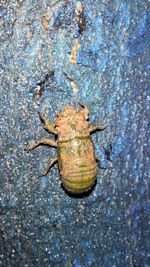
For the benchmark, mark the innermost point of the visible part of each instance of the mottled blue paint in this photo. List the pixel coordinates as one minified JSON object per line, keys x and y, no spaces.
{"x":76,"y":263}
{"x":138,"y":42}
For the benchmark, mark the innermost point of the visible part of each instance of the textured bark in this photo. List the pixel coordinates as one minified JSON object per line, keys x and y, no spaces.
{"x":54,"y":54}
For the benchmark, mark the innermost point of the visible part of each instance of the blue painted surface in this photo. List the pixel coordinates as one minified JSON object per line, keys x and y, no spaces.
{"x":40,"y":225}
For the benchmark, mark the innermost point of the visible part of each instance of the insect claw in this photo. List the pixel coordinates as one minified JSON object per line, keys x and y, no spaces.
{"x":26,"y":148}
{"x":42,"y":117}
{"x":41,"y":174}
{"x":103,"y":127}
{"x":82,"y":105}
{"x":103,"y":168}
{"x":110,"y":163}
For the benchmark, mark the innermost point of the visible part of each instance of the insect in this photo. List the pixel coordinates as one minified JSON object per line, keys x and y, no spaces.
{"x":76,"y":156}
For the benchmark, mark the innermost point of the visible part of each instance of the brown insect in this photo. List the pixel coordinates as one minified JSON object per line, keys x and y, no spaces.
{"x":76,"y":157}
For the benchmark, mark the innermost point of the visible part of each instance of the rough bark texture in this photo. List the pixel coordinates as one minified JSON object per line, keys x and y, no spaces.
{"x":55,"y":53}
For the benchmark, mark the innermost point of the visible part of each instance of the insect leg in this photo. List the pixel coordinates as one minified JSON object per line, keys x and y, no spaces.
{"x":96,"y":128}
{"x":47,"y":124}
{"x":99,"y":163}
{"x":49,"y":167}
{"x":108,"y":152}
{"x":43,"y":141}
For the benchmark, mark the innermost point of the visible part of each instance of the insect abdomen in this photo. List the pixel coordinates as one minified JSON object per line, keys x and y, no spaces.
{"x":77,"y":164}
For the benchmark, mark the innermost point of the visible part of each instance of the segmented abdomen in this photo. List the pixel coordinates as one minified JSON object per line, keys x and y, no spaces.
{"x":77,"y":164}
